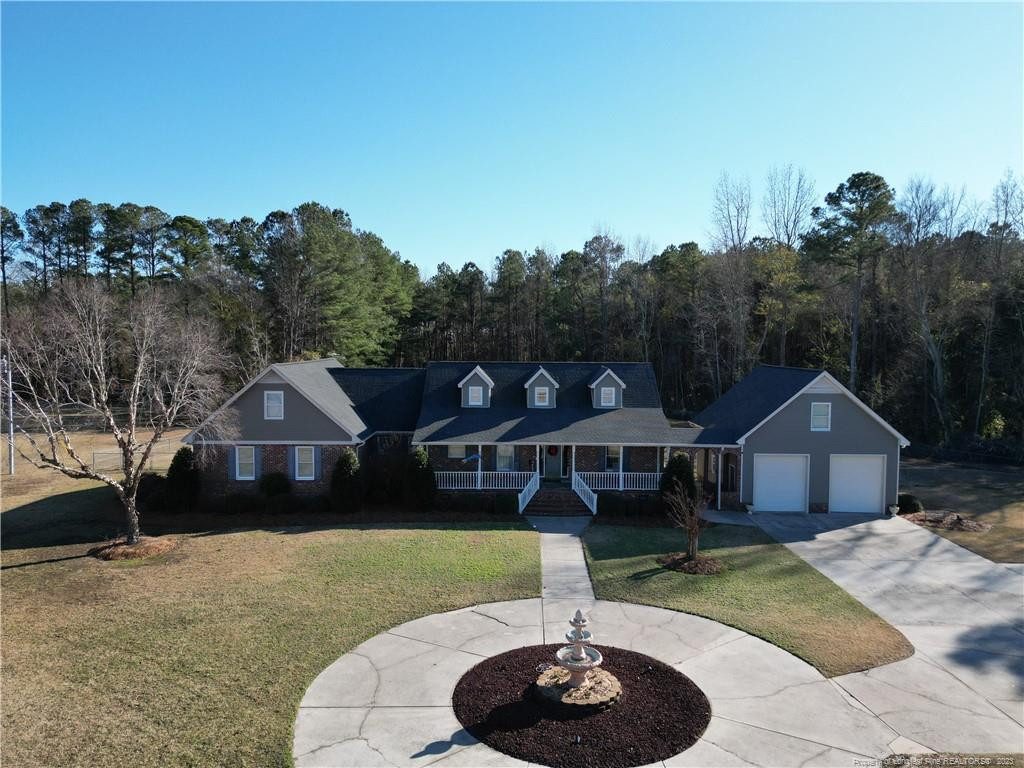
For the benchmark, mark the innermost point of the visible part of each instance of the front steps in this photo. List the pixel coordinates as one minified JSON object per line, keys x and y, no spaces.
{"x":558,"y":501}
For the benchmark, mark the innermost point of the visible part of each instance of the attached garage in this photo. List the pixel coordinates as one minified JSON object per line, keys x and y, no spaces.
{"x":856,"y":483}
{"x":781,"y":482}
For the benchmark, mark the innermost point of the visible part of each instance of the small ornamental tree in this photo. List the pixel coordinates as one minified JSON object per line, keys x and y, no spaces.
{"x":686,"y":513}
{"x":346,"y":483}
{"x":679,"y":469}
{"x":420,"y":484}
{"x":181,"y":492}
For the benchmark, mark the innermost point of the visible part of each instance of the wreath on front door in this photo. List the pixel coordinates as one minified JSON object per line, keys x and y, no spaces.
{"x":552,"y":450}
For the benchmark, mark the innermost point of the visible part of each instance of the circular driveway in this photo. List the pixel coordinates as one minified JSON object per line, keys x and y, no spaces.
{"x":388,"y":702}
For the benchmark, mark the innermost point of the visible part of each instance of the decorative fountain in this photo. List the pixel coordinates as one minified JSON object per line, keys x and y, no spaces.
{"x":578,"y":682}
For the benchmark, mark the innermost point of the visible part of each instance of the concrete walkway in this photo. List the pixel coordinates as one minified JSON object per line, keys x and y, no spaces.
{"x":564,"y":572}
{"x":962,"y":691}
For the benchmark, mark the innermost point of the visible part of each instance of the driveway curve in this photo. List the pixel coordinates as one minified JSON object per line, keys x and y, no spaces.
{"x":388,"y":701}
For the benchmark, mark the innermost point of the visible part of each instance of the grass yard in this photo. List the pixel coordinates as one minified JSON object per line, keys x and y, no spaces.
{"x":765,"y":590}
{"x":200,"y":656}
{"x":992,"y":494}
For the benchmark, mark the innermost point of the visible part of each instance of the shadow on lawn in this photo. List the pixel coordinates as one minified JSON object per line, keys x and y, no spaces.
{"x":93,"y":515}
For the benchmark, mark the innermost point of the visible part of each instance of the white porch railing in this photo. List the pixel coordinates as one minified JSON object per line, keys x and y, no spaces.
{"x":482,"y":481}
{"x":527,"y":493}
{"x":587,"y":496}
{"x":621,"y":481}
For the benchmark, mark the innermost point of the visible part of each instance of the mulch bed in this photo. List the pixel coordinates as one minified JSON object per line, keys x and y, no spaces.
{"x":661,"y":712}
{"x":699,"y":566}
{"x":147,"y":546}
{"x":947,"y":521}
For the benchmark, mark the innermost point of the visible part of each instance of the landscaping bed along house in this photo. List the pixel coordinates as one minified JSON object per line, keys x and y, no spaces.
{"x":762,"y":588}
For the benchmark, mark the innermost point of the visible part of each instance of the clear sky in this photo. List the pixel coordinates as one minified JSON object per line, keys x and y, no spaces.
{"x":456,"y":131}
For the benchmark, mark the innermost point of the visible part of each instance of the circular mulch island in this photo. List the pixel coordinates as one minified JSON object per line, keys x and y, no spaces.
{"x":660,"y":712}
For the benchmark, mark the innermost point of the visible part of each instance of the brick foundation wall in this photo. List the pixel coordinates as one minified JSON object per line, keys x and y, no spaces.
{"x":274,"y":458}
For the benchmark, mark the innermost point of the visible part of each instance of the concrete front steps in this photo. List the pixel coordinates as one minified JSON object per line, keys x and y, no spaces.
{"x":557,"y":501}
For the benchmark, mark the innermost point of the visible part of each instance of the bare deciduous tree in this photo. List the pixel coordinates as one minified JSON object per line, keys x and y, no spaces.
{"x":138,"y":366}
{"x":686,"y":513}
{"x":731,"y":212}
{"x":786,"y":207}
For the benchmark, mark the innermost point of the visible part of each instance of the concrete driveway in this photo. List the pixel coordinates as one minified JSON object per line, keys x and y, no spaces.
{"x":962,"y":691}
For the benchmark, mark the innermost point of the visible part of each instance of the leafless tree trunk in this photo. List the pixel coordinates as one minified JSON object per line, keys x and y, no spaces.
{"x":731,"y":212}
{"x":786,"y":207}
{"x":137,"y":368}
{"x":686,"y":513}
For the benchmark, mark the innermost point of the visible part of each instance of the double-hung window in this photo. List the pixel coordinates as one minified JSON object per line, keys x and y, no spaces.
{"x":540,"y":396}
{"x":506,"y":458}
{"x":245,"y":462}
{"x":305,"y":464}
{"x":476,"y":395}
{"x":607,"y":397}
{"x":456,"y":451}
{"x":821,"y":417}
{"x":273,"y":405}
{"x":612,"y":455}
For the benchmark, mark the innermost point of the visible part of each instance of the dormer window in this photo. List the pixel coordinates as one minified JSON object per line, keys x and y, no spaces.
{"x":607,"y":389}
{"x":541,"y":396}
{"x":607,"y":397}
{"x":475,"y":389}
{"x":476,"y":395}
{"x":541,"y":389}
{"x":273,"y":405}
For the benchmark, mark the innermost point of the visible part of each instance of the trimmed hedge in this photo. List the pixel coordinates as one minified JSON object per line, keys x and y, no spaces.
{"x":506,"y":504}
{"x":420,"y":486}
{"x":275,"y":484}
{"x":181,"y":492}
{"x":613,"y":504}
{"x":347,"y":483}
{"x":679,"y":468}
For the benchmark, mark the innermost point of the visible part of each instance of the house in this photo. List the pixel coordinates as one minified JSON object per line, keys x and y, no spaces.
{"x":782,"y":440}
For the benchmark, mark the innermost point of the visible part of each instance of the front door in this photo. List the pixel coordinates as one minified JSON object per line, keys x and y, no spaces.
{"x":552,"y":462}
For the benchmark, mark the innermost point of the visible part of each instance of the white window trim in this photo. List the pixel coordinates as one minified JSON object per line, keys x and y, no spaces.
{"x":312,"y":462}
{"x":602,"y":393}
{"x":238,"y":463}
{"x":452,"y":447}
{"x":266,"y":417}
{"x":828,"y":426}
{"x":475,"y":389}
{"x":511,"y":456}
{"x":547,"y":396}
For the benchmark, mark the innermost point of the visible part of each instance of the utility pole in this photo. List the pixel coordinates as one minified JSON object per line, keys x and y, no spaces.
{"x":6,"y":368}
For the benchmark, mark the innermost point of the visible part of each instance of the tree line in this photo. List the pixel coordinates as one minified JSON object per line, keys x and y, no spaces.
{"x":913,"y":298}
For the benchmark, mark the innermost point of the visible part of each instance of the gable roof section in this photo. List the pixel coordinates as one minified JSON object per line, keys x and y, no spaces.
{"x":541,"y":372}
{"x":575,"y":420}
{"x":386,"y":399}
{"x":759,"y":396}
{"x":311,"y":378}
{"x":483,"y":375}
{"x":606,"y":372}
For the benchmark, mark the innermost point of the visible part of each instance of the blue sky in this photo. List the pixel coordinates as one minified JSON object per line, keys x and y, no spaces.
{"x":456,"y":131}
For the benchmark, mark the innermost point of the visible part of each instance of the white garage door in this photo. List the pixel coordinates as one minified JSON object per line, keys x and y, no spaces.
{"x":856,"y":483}
{"x":780,"y":482}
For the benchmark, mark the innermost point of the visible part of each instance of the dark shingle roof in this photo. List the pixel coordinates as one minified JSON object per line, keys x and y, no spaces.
{"x":750,"y":401}
{"x":386,"y":399}
{"x":573,"y":420}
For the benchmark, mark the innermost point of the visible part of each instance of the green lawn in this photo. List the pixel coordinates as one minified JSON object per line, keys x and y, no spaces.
{"x":200,"y":657}
{"x":765,"y":590}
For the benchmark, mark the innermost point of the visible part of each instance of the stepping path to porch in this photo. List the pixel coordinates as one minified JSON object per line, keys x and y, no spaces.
{"x":388,"y":701}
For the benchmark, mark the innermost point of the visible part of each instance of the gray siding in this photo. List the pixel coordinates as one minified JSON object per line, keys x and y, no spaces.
{"x":302,"y":420}
{"x":853,"y":431}
{"x":541,"y":381}
{"x":475,"y":381}
{"x":607,"y":381}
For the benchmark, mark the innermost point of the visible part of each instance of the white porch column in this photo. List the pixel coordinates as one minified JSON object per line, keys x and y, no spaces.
{"x":479,"y":467}
{"x":537,"y":467}
{"x":718,"y":481}
{"x":621,"y":451}
{"x":573,"y":449}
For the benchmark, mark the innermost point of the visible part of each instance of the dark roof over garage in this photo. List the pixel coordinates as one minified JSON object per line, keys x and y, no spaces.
{"x":574,"y":419}
{"x":386,"y":399}
{"x":751,"y":401}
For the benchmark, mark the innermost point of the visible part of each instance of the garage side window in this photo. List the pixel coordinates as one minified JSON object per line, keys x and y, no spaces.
{"x":821,"y":417}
